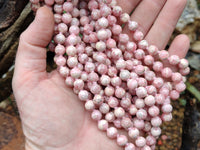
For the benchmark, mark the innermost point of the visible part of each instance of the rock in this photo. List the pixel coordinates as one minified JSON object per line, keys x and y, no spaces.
{"x":11,"y":135}
{"x":189,"y":15}
{"x":194,"y":60}
{"x":195,"y":47}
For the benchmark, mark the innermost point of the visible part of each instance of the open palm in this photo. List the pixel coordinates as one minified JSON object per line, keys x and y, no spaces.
{"x":52,"y":115}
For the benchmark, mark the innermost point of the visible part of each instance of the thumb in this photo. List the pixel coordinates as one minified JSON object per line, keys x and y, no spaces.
{"x":31,"y":54}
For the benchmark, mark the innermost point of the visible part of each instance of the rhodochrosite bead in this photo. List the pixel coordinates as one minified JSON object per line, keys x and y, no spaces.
{"x":123,"y":81}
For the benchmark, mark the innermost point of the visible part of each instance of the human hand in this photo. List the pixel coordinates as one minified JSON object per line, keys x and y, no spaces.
{"x":52,"y":116}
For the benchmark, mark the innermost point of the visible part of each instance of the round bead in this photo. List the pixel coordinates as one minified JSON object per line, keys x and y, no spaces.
{"x":96,"y":115}
{"x":141,"y":92}
{"x":133,"y":133}
{"x":126,"y":123}
{"x":112,"y":132}
{"x":150,"y":100}
{"x":155,"y":131}
{"x":140,"y":142}
{"x":122,"y":140}
{"x":119,"y":112}
{"x":110,"y":117}
{"x":129,"y":146}
{"x":104,"y":108}
{"x":102,"y":125}
{"x":89,"y":105}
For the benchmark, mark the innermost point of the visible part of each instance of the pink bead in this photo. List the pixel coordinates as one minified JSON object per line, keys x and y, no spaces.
{"x":157,"y":66}
{"x":141,"y":114}
{"x":105,"y":10}
{"x":95,"y":88}
{"x":140,"y":142}
{"x":72,"y":39}
{"x":78,"y":84}
{"x":166,"y":116}
{"x":174,"y":95}
{"x":125,"y":102}
{"x":60,"y":61}
{"x":120,"y":64}
{"x":92,"y":5}
{"x":132,"y":110}
{"x":126,"y":123}
{"x":124,"y":18}
{"x":112,"y":20}
{"x":158,"y":82}
{"x":153,"y":111}
{"x":116,"y":81}
{"x":101,"y":46}
{"x":66,"y":18}
{"x":69,"y":81}
{"x":149,"y":75}
{"x":174,"y":59}
{"x":98,"y":99}
{"x":102,"y":69}
{"x":183,"y":63}
{"x":132,"y":25}
{"x":57,"y":18}
{"x":150,"y":100}
{"x":117,"y":10}
{"x":89,"y":105}
{"x":138,"y":35}
{"x":109,"y":91}
{"x":74,"y":30}
{"x":96,"y":115}
{"x":166,"y":72}
{"x":176,"y":77}
{"x":83,"y":95}
{"x":151,"y":90}
{"x":116,"y":29}
{"x":58,"y":8}
{"x":156,"y":121}
{"x":102,"y":125}
{"x":75,"y":12}
{"x":104,"y":108}
{"x":139,"y":69}
{"x":62,"y":27}
{"x":119,"y":112}
{"x":110,"y":43}
{"x":123,"y":38}
{"x":163,"y":54}
{"x":112,"y":132}
{"x":147,"y":126}
{"x":75,"y":22}
{"x":68,"y":6}
{"x":143,"y":44}
{"x":113,"y":102}
{"x":64,"y":71}
{"x":146,"y":148}
{"x":131,"y":46}
{"x":180,"y":87}
{"x":117,"y":123}
{"x":167,"y":108}
{"x":164,"y":91}
{"x":139,"y":54}
{"x":141,"y":92}
{"x":185,"y":71}
{"x":119,"y":92}
{"x":148,"y":60}
{"x":110,"y":117}
{"x":133,"y":133}
{"x":150,"y":140}
{"x":60,"y":49}
{"x":130,"y":146}
{"x":72,"y":62}
{"x":159,"y":98}
{"x":152,"y":49}
{"x":59,"y":38}
{"x":155,"y":131}
{"x":93,"y":77}
{"x":142,"y":82}
{"x":132,"y":84}
{"x":122,"y":140}
{"x":139,"y":103}
{"x":95,"y":14}
{"x":124,"y":75}
{"x":138,"y":123}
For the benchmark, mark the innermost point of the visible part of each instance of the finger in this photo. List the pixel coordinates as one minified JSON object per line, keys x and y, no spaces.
{"x":180,"y":46}
{"x":164,"y":25}
{"x":146,"y":13}
{"x":31,"y":54}
{"x":127,"y":5}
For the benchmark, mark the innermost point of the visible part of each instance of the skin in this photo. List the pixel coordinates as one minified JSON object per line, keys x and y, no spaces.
{"x":52,"y":115}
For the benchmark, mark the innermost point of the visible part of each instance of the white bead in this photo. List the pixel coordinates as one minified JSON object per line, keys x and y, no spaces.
{"x":89,"y":105}
{"x":119,"y":112}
